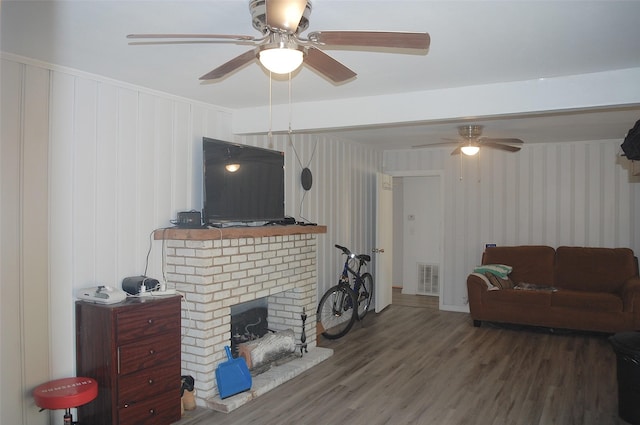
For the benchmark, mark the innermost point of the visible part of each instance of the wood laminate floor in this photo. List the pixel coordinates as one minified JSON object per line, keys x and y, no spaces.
{"x":425,"y":301}
{"x":411,"y":365}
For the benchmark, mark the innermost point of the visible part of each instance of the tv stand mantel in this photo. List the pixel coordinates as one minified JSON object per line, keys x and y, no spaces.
{"x":176,"y":233}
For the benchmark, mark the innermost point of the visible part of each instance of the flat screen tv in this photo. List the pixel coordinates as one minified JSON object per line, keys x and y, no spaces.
{"x":242,"y":184}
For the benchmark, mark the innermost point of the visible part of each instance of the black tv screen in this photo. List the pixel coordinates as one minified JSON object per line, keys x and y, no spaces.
{"x":242,"y":184}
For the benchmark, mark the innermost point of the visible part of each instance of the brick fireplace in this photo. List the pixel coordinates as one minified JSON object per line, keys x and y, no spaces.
{"x":217,"y":268}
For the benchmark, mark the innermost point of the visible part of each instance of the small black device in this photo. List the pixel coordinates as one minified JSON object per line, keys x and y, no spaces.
{"x":133,"y":284}
{"x":287,"y":221}
{"x":189,"y":219}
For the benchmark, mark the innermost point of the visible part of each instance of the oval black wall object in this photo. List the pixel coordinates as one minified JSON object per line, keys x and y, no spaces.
{"x":306,"y":178}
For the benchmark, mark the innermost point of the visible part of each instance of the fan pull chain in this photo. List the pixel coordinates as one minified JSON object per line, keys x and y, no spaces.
{"x":270,"y":134}
{"x":290,"y":130}
{"x":290,"y":108}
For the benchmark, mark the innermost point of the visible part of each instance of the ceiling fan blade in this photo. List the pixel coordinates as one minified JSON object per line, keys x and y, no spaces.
{"x":402,"y":40}
{"x":430,"y":145}
{"x":327,"y":66}
{"x":508,"y":140}
{"x":232,"y":65}
{"x":203,"y":36}
{"x":285,"y":14}
{"x":167,"y":42}
{"x":499,"y":146}
{"x":456,"y":151}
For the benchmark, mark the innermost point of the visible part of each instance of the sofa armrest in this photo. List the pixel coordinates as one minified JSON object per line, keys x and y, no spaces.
{"x":476,"y":285}
{"x":630,"y":293}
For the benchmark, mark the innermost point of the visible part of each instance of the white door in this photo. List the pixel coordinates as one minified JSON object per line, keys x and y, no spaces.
{"x":383,"y":251}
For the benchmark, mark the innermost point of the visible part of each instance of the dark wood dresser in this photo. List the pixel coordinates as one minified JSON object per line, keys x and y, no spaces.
{"x":132,"y":349}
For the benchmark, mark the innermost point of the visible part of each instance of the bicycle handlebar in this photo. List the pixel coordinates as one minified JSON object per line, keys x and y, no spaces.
{"x":362,"y":257}
{"x":345,"y":250}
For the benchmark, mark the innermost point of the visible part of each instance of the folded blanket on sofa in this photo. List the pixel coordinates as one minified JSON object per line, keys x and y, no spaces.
{"x":484,"y":278}
{"x":499,"y":270}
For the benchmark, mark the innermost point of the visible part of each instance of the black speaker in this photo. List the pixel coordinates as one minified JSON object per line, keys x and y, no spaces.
{"x":133,"y":284}
{"x":189,"y":219}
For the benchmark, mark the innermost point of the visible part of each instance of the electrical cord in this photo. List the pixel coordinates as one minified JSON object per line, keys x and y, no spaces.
{"x":163,"y":263}
{"x":164,"y":278}
{"x":146,"y":263}
{"x":295,"y":152}
{"x":302,"y":167}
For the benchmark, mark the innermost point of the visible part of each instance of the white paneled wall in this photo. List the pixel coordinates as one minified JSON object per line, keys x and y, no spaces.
{"x":90,"y":167}
{"x":121,"y":165}
{"x":571,"y":194}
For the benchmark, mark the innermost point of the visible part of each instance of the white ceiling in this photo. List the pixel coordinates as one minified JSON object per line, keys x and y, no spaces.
{"x":473,"y":44}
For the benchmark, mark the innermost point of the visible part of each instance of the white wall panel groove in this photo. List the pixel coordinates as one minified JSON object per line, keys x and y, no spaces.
{"x":24,"y":249}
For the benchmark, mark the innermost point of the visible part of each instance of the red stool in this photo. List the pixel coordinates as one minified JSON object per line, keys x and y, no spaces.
{"x":65,"y":393}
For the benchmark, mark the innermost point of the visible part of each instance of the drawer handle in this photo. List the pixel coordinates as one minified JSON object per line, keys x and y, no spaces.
{"x":126,"y":405}
{"x":150,"y":321}
{"x":152,"y":351}
{"x":152,"y":411}
{"x":150,"y":381}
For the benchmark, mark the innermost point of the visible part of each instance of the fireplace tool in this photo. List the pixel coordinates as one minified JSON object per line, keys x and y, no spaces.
{"x":303,"y":335}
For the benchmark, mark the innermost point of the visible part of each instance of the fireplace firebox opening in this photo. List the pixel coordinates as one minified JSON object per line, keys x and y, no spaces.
{"x":249,"y":321}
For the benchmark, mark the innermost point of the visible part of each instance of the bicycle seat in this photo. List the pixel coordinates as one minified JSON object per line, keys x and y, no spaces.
{"x":364,"y":257}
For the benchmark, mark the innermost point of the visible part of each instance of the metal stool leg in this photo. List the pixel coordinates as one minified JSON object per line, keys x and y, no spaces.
{"x":68,"y":418}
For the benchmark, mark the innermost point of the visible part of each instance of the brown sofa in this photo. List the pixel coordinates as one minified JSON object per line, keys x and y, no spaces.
{"x":591,"y":289}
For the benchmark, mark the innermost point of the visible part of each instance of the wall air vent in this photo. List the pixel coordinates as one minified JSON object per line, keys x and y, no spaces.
{"x":428,"y":279}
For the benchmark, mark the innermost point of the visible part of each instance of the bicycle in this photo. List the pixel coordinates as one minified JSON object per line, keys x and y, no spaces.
{"x":336,"y":313}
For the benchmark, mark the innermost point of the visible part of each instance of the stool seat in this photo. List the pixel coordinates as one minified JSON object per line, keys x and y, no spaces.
{"x":65,"y":393}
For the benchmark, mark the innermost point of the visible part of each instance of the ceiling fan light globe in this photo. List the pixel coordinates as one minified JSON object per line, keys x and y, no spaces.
{"x":470,"y":150}
{"x":232,"y":168}
{"x":281,"y":60}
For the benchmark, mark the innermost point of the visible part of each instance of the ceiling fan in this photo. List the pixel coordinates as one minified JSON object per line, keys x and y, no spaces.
{"x":281,"y":48}
{"x":470,"y":141}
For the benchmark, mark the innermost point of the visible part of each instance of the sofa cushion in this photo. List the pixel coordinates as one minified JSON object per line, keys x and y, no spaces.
{"x":524,"y":298}
{"x":594,"y":269}
{"x":594,"y":301}
{"x":531,"y":263}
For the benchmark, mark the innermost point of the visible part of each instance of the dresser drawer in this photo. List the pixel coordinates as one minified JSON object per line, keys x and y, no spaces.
{"x":160,"y":410}
{"x":139,"y":386}
{"x":148,"y":319}
{"x":149,"y":352}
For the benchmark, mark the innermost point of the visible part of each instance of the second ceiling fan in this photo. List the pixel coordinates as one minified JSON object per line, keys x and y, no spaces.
{"x":281,"y":23}
{"x":471,"y":141}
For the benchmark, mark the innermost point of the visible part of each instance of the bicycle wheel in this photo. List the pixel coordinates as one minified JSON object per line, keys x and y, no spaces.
{"x":365,"y":294}
{"x":336,"y":312}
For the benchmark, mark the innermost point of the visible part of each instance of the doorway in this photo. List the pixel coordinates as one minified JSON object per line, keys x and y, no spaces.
{"x":418,"y":237}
